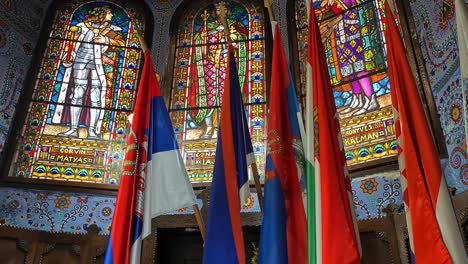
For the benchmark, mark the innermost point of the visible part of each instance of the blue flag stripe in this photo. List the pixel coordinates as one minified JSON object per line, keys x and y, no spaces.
{"x":162,"y":127}
{"x":273,"y":241}
{"x":219,"y":243}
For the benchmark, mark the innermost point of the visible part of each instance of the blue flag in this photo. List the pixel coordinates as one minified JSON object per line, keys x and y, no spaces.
{"x":234,"y":152}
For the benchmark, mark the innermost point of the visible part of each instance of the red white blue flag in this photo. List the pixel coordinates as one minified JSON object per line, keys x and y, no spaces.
{"x":284,"y":228}
{"x":154,"y":180}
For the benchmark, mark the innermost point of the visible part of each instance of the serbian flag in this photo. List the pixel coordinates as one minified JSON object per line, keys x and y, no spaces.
{"x":333,"y":237}
{"x":433,"y":229}
{"x":224,"y":241}
{"x":154,"y":180}
{"x":284,"y":231}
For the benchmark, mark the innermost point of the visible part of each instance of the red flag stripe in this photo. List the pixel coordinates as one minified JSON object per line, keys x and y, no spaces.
{"x":230,"y":170}
{"x":135,"y":155}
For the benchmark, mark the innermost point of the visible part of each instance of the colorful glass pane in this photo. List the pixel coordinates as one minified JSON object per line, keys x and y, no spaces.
{"x":352,"y":34}
{"x":198,"y":79}
{"x":77,"y":124}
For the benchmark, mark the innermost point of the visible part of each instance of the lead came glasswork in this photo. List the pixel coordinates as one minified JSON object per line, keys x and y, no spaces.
{"x":198,"y":79}
{"x":352,"y":33}
{"x":86,"y":86}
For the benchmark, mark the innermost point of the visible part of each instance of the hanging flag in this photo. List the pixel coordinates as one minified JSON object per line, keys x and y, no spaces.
{"x":154,"y":180}
{"x":224,"y":241}
{"x":333,"y":237}
{"x":284,"y":221}
{"x":433,"y":229}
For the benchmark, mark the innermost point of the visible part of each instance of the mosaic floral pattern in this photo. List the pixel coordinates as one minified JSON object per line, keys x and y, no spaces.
{"x":55,"y":211}
{"x":372,"y":194}
{"x":74,"y":212}
{"x":63,"y":212}
{"x":435,"y":25}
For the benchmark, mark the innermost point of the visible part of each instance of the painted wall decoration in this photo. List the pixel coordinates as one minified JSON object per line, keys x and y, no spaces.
{"x":60,"y":211}
{"x":73,"y":212}
{"x":55,"y":211}
{"x":435,"y":24}
{"x":352,"y":34}
{"x":372,"y":194}
{"x":198,"y":79}
{"x":77,"y":122}
{"x":14,"y":63}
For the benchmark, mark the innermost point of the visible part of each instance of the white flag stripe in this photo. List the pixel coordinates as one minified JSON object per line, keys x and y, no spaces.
{"x":244,"y":193}
{"x":450,"y":231}
{"x":318,"y":212}
{"x":309,"y":141}
{"x":250,"y":158}
{"x":167,"y":187}
{"x":135,"y":251}
{"x":410,"y":228}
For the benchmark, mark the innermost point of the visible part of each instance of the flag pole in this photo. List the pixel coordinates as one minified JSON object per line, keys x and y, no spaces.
{"x":268,"y":4}
{"x":200,"y":222}
{"x":258,"y":186}
{"x":221,"y":8}
{"x":144,"y":47}
{"x":196,"y":210}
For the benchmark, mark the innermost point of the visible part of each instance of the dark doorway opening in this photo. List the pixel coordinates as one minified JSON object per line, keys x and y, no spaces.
{"x":185,"y":245}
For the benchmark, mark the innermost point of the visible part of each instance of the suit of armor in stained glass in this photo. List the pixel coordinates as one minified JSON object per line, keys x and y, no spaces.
{"x":85,"y":89}
{"x":88,"y":69}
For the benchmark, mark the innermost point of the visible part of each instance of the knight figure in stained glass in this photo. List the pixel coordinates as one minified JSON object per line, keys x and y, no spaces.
{"x":85,"y":58}
{"x":77,"y":121}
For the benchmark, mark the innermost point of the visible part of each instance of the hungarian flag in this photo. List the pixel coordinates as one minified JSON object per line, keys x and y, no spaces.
{"x":333,"y":235}
{"x":224,"y":241}
{"x":432,"y":226}
{"x":284,"y":222}
{"x":154,"y":180}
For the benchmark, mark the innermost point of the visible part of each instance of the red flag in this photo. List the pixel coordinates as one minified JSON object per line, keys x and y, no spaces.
{"x":432,"y":224}
{"x":335,"y":227}
{"x":280,"y":145}
{"x":118,"y":248}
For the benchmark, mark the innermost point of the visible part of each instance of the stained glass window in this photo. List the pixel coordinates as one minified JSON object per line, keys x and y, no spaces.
{"x":76,"y":125}
{"x":198,"y":79}
{"x":352,"y":34}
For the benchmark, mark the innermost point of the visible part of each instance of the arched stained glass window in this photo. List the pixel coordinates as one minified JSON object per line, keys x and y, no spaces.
{"x":352,"y":34}
{"x":76,"y":125}
{"x":198,"y":79}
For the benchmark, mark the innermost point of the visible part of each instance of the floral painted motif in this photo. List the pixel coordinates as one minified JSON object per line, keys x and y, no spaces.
{"x":55,"y":211}
{"x":250,"y":203}
{"x":371,"y":195}
{"x":62,"y":201}
{"x":369,"y":186}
